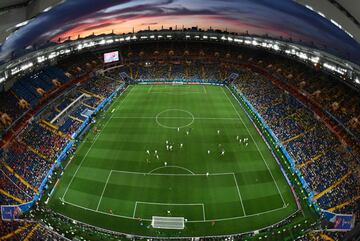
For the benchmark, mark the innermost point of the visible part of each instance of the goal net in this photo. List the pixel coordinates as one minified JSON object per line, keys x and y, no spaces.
{"x":168,"y":222}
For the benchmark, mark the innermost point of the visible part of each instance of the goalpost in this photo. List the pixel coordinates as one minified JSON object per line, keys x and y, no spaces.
{"x":168,"y":222}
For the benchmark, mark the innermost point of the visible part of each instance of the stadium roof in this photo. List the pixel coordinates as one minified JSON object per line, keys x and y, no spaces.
{"x":346,"y":13}
{"x":14,"y":13}
{"x":29,"y":24}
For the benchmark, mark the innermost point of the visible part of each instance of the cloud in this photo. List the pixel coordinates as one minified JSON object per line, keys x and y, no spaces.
{"x":149,"y":24}
{"x":280,"y":17}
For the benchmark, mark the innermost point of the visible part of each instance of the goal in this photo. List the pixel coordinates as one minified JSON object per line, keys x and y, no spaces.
{"x":168,"y":222}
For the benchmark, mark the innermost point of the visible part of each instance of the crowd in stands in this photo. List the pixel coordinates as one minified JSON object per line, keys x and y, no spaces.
{"x":45,"y":141}
{"x":26,"y":160}
{"x":14,"y":231}
{"x":321,"y":236}
{"x":29,"y":90}
{"x":186,"y":71}
{"x":12,"y":187}
{"x":337,"y":98}
{"x":330,"y":169}
{"x":316,"y":151}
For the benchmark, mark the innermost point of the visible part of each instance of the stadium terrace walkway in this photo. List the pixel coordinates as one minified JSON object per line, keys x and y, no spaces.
{"x":337,"y":183}
{"x":20,"y":178}
{"x":31,"y":233}
{"x":11,"y":196}
{"x":344,"y":204}
{"x":17,"y":231}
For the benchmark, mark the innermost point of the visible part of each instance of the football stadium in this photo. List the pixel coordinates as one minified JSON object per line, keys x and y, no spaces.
{"x":180,"y":120}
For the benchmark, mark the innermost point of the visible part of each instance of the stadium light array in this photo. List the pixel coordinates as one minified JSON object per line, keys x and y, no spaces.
{"x":332,"y":64}
{"x":335,"y":68}
{"x":21,"y":24}
{"x":47,"y":9}
{"x":331,"y":20}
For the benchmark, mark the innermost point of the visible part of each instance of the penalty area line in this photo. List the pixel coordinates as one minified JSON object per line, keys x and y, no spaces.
{"x":90,"y":148}
{"x":193,"y":221}
{"x":239,"y":193}
{"x":102,"y":194}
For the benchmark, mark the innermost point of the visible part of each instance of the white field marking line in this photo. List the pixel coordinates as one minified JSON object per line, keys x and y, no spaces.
{"x":183,"y":168}
{"x":150,"y":237}
{"x":175,"y":127}
{"x":192,"y":174}
{"x":182,"y":93}
{"x":149,"y":90}
{"x":204,"y":216}
{"x":240,"y":217}
{"x":170,"y":204}
{"x":194,"y":221}
{"x":68,"y":163}
{"x":134,"y":212}
{"x":238,"y":190}
{"x":116,"y":109}
{"x":92,"y":144}
{"x":174,"y":117}
{"x":173,"y":174}
{"x":76,"y":171}
{"x":101,"y":212}
{"x":205,"y":91}
{"x":173,"y":93}
{"x":257,"y":147}
{"x":107,"y":180}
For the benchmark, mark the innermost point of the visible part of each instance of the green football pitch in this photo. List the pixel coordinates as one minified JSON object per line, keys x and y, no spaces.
{"x":219,"y":175}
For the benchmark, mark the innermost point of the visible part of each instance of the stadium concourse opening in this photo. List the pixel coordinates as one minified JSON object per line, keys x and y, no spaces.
{"x":159,"y":152}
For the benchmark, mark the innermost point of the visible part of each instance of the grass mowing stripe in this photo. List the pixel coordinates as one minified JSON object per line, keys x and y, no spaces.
{"x":102,"y":194}
{"x":236,"y":181}
{"x":194,"y":221}
{"x":92,"y":144}
{"x":267,"y":166}
{"x":173,"y":117}
{"x":238,"y":190}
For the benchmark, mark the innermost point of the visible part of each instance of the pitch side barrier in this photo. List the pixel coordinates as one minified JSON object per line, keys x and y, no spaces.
{"x":291,"y":162}
{"x":13,"y":212}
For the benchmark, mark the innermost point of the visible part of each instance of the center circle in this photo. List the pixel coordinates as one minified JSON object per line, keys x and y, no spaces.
{"x":174,"y":118}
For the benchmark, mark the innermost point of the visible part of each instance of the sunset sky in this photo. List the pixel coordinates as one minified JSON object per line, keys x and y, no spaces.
{"x":276,"y":18}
